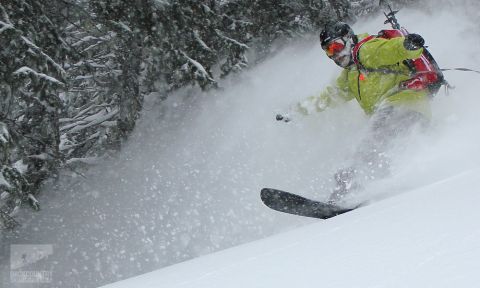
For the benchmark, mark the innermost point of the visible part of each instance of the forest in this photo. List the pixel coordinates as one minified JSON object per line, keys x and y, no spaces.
{"x":74,"y":73}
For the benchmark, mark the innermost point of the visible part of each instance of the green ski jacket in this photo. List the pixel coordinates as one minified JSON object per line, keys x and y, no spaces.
{"x":375,"y":85}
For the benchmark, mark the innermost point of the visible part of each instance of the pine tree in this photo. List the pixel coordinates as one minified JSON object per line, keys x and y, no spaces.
{"x":30,"y":81}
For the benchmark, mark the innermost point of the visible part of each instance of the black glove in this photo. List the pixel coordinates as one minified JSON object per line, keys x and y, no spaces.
{"x":280,"y":117}
{"x":413,"y":42}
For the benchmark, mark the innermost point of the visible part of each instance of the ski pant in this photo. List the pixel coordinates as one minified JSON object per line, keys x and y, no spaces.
{"x":370,"y":161}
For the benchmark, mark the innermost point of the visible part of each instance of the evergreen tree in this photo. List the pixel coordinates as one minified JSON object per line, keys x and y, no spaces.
{"x":30,"y":82}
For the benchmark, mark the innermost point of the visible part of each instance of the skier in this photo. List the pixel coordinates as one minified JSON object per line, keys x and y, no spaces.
{"x":377,"y":76}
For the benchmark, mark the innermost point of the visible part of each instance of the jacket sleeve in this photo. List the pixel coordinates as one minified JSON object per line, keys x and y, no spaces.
{"x":384,"y":52}
{"x":331,"y":96}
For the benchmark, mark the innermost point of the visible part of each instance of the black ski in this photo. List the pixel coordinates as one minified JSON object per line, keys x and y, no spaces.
{"x":294,"y":204}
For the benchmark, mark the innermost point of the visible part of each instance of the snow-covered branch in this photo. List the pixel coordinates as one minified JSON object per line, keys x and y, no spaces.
{"x":48,"y":58}
{"x":29,"y":71}
{"x":98,"y":119}
{"x":4,"y":135}
{"x":203,"y":72}
{"x":84,"y":160}
{"x":5,"y":27}
{"x":200,"y":41}
{"x":220,"y":34}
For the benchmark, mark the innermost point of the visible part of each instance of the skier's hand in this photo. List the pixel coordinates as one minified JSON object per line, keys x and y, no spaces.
{"x":413,"y":42}
{"x":280,"y":117}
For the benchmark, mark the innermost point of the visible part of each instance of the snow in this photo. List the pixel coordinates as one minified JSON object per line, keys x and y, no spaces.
{"x":200,"y":41}
{"x":20,"y":166}
{"x":86,"y":39}
{"x":5,"y":27}
{"x":231,"y":40}
{"x":187,"y":184}
{"x":203,"y":72}
{"x":48,"y":58}
{"x":4,"y":135}
{"x":27,"y":70}
{"x":414,"y":234}
{"x":123,"y":26}
{"x":90,"y":121}
{"x":86,"y":160}
{"x":428,"y":237}
{"x":41,"y":156}
{"x":3,"y":182}
{"x":161,"y":3}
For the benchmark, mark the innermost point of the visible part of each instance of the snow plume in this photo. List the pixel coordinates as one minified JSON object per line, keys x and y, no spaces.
{"x":188,"y":181}
{"x":451,"y":144}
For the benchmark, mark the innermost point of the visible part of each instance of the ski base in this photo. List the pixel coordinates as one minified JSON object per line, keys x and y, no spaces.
{"x":297,"y":205}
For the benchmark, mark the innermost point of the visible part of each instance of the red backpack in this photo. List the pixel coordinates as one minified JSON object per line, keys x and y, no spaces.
{"x":426,"y":73}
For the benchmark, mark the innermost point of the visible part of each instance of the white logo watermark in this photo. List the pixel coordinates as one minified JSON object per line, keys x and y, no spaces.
{"x":25,"y":261}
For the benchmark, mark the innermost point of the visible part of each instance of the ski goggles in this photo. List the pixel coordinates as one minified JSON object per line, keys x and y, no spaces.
{"x":333,"y":47}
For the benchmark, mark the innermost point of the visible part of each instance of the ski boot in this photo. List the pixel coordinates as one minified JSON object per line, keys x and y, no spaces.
{"x":344,"y":184}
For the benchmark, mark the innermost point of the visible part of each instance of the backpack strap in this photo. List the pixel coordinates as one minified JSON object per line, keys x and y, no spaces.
{"x":356,"y":49}
{"x":356,"y":60}
{"x":363,"y":69}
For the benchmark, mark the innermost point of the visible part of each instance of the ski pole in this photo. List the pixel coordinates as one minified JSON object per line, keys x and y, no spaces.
{"x":460,"y":69}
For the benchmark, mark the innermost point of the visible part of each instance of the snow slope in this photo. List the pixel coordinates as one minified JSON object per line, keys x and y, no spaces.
{"x":429,"y":237}
{"x":413,"y":237}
